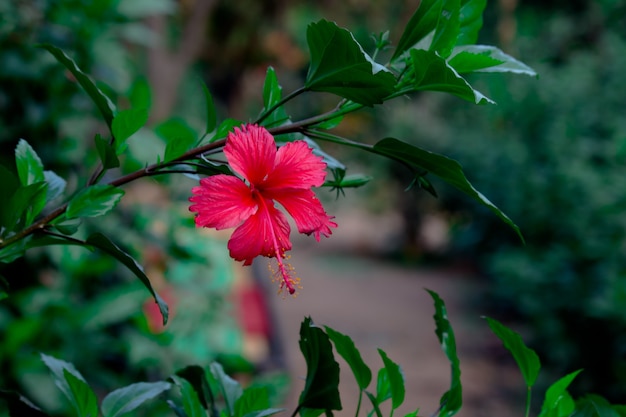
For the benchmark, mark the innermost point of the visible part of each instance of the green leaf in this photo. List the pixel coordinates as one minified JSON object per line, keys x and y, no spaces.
{"x":348,"y":351}
{"x":322,"y":377}
{"x":396,"y":380}
{"x":452,"y":400}
{"x":25,"y":204}
{"x":83,"y":398}
{"x":140,"y":94}
{"x":423,"y":22}
{"x":56,"y":185}
{"x":375,"y":403}
{"x":228,"y":125}
{"x":125,"y":124}
{"x":340,"y":66}
{"x":448,"y":28}
{"x":191,"y":402}
{"x":432,"y":73}
{"x":471,"y":21}
{"x":126,"y":399}
{"x":106,"y":152}
{"x":103,"y":243}
{"x":179,"y":137}
{"x":211,"y":114}
{"x":68,"y":227}
{"x":620,"y":410}
{"x":592,"y":405}
{"x":14,"y":251}
{"x":272,"y":94}
{"x":484,"y":58}
{"x":383,"y":386}
{"x":526,"y":358}
{"x":29,"y":166}
{"x":19,"y":405}
{"x":197,"y":377}
{"x":447,"y":169}
{"x":96,"y":200}
{"x":231,"y":390}
{"x":104,"y":104}
{"x":558,"y":402}
{"x":4,"y":288}
{"x":254,"y":402}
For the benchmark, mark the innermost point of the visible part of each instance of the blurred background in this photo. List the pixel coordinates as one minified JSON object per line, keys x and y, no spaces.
{"x":551,"y":155}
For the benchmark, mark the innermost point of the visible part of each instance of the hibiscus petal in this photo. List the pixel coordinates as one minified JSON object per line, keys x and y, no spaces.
{"x":251,"y":152}
{"x":265,"y":233}
{"x":222,"y":201}
{"x":296,"y":167}
{"x":306,"y":210}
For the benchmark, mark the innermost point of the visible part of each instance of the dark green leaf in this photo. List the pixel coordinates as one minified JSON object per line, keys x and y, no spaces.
{"x":558,"y":403}
{"x":197,"y":377}
{"x":322,"y":377}
{"x":448,"y":28}
{"x":423,"y":22}
{"x":191,"y":402}
{"x":211,"y":115}
{"x":396,"y":380}
{"x":225,"y":127}
{"x":592,"y":405}
{"x":103,"y":243}
{"x":29,"y":165}
{"x":349,"y":181}
{"x":83,"y":398}
{"x":254,"y":402}
{"x":4,"y":288}
{"x":375,"y":403}
{"x":124,"y":400}
{"x":140,"y":94}
{"x":56,"y":185}
{"x":452,"y":400}
{"x":348,"y":351}
{"x":68,"y":227}
{"x":231,"y":390}
{"x":104,"y":104}
{"x":620,"y":410}
{"x":125,"y":124}
{"x":19,"y":406}
{"x":25,"y":204}
{"x":526,"y":358}
{"x":94,"y":201}
{"x":177,"y":410}
{"x":420,"y":160}
{"x":471,"y":21}
{"x":106,"y":152}
{"x":9,"y":183}
{"x":272,"y":94}
{"x":179,"y":137}
{"x":484,"y":58}
{"x":14,"y":251}
{"x":264,"y":413}
{"x":340,"y":66}
{"x":329,"y":124}
{"x":432,"y":73}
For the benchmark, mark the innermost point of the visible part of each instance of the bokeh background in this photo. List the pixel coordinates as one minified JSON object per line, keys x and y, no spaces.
{"x":551,"y":155}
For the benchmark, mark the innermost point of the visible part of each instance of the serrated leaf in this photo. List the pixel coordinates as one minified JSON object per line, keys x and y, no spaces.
{"x":471,"y":21}
{"x":485,"y":58}
{"x":445,"y":168}
{"x":272,"y":94}
{"x":526,"y":358}
{"x":423,"y":22}
{"x":191,"y":402}
{"x":448,"y":28}
{"x":322,"y":377}
{"x":231,"y":389}
{"x":104,"y":104}
{"x":18,"y":405}
{"x":103,"y":243}
{"x":106,"y":152}
{"x":348,"y":351}
{"x":29,"y":165}
{"x":179,"y":137}
{"x":558,"y":402}
{"x":340,"y":66}
{"x":126,"y":399}
{"x":211,"y":114}
{"x":432,"y":73}
{"x":396,"y":380}
{"x":452,"y":400}
{"x":56,"y":185}
{"x":592,"y":405}
{"x":125,"y":124}
{"x":83,"y":398}
{"x":96,"y":200}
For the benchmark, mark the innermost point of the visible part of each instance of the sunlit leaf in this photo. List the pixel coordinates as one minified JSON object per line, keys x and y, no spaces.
{"x":423,"y":22}
{"x":348,"y":351}
{"x":96,"y":200}
{"x":340,"y":66}
{"x":322,"y":377}
{"x":447,"y":169}
{"x":29,"y":165}
{"x":558,"y":402}
{"x":125,"y":124}
{"x":484,"y":58}
{"x":396,"y":380}
{"x":103,"y":243}
{"x":56,"y":185}
{"x":526,"y":358}
{"x":126,"y":399}
{"x":104,"y":104}
{"x":452,"y":400}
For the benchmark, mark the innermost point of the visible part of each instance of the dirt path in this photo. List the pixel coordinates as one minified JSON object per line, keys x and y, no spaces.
{"x":381,"y":305}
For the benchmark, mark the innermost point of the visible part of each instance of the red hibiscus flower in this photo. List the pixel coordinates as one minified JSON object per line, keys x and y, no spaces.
{"x":283,"y":175}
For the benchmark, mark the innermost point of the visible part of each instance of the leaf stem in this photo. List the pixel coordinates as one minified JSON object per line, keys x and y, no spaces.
{"x":528,"y":397}
{"x":358,"y":404}
{"x":280,"y":102}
